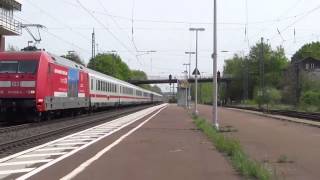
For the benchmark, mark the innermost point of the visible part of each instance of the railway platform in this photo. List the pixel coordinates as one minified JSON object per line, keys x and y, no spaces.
{"x":164,"y":144}
{"x":290,"y":146}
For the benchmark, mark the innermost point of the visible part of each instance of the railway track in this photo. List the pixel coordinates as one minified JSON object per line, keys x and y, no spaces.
{"x":14,"y":128}
{"x":295,"y":114}
{"x":5,"y":127}
{"x":8,"y":147}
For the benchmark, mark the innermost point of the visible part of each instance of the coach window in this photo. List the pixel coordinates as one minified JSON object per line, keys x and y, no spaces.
{"x":102,"y":85}
{"x":97,"y":85}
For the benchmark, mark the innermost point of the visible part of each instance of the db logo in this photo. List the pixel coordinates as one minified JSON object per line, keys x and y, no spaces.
{"x":15,"y":83}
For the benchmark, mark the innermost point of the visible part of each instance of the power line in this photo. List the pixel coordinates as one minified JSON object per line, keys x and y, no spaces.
{"x":187,"y":22}
{"x":56,"y":36}
{"x":117,"y":24}
{"x":59,"y":21}
{"x":298,"y":20}
{"x":105,"y":28}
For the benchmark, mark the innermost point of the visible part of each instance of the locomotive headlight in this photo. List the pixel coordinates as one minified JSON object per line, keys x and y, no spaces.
{"x":30,"y":91}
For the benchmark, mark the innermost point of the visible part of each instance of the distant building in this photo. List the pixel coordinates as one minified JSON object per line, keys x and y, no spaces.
{"x":309,"y":64}
{"x":298,"y":71}
{"x":8,"y":25}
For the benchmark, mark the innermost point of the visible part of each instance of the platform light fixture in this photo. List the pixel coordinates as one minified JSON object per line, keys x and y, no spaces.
{"x":196,"y":70}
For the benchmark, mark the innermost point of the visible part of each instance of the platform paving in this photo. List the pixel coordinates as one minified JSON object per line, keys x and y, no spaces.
{"x":167,"y":147}
{"x":290,"y":148}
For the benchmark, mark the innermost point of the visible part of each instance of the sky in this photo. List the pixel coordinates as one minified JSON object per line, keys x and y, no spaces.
{"x":133,"y":27}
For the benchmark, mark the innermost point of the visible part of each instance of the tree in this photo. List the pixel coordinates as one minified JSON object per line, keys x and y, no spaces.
{"x":307,"y":50}
{"x":74,"y":57}
{"x":12,"y":48}
{"x":245,"y":70}
{"x":112,"y":65}
{"x":138,"y":75}
{"x":156,"y":89}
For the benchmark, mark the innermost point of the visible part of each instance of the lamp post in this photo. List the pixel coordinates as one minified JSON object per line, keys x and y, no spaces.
{"x":189,"y":91}
{"x":214,"y":57}
{"x":196,"y":70}
{"x":187,"y":77}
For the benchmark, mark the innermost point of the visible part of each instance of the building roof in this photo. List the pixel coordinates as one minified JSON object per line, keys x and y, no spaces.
{"x":306,"y":59}
{"x":11,"y":4}
{"x":311,"y":59}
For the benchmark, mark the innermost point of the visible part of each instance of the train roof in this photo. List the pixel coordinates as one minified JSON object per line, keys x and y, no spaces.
{"x":69,"y":63}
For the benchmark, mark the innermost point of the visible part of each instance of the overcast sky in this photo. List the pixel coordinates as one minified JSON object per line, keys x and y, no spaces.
{"x":163,"y":26}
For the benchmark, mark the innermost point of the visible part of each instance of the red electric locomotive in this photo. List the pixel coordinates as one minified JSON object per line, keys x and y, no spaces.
{"x":35,"y":82}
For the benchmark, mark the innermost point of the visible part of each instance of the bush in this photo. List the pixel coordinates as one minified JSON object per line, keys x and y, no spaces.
{"x":311,"y":98}
{"x":271,"y":96}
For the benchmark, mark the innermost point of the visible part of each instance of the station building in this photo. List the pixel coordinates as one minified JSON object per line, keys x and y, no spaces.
{"x":9,"y":26}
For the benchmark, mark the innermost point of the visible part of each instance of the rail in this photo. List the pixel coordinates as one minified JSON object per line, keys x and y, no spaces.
{"x":294,"y":114}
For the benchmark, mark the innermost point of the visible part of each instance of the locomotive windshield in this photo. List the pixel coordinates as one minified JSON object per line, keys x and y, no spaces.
{"x":28,"y":66}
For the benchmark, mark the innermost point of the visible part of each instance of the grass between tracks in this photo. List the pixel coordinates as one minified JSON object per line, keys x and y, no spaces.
{"x":232,"y":148}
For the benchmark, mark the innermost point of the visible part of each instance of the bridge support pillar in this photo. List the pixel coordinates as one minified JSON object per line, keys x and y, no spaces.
{"x":182,"y":94}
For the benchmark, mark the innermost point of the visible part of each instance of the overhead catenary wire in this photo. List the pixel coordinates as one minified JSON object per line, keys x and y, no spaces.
{"x":115,"y":22}
{"x":107,"y":29}
{"x":298,"y":20}
{"x":56,"y":36}
{"x":59,"y":21}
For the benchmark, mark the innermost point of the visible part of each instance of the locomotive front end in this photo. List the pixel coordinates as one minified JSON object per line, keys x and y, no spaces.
{"x":18,"y":79}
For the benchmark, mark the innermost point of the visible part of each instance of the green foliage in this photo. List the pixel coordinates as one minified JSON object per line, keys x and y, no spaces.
{"x":308,"y":83}
{"x":311,"y":97}
{"x":156,"y":89}
{"x":74,"y":57}
{"x":234,"y":67}
{"x":231,"y":147}
{"x":112,"y":65}
{"x":308,"y":50}
{"x":138,"y":75}
{"x":250,"y":102}
{"x":273,"y":95}
{"x":240,"y":67}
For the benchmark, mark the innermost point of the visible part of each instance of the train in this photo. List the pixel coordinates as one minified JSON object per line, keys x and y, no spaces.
{"x":42,"y":83}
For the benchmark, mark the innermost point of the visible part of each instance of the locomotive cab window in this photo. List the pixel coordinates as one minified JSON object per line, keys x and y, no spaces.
{"x":8,"y":66}
{"x":25,"y":66}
